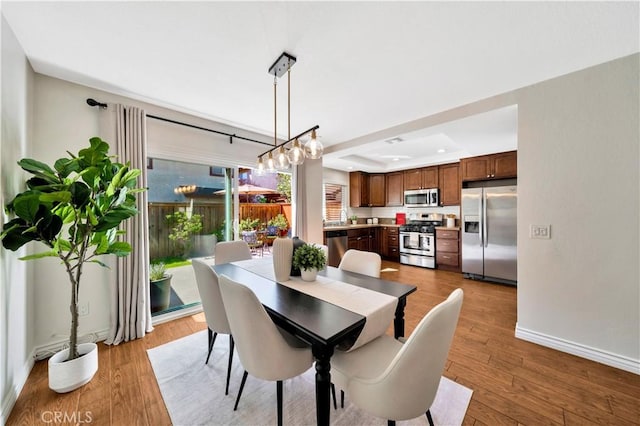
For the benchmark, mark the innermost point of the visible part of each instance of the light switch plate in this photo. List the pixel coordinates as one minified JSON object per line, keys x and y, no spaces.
{"x":540,"y":231}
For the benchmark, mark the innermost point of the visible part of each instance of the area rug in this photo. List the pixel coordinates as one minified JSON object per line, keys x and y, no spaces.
{"x":194,"y":392}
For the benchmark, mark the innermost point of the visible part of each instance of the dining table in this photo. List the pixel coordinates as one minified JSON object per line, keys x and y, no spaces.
{"x":324,"y":325}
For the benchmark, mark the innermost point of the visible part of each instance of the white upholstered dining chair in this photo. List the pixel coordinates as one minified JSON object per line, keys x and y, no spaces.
{"x":361,"y":262}
{"x":263,"y":350}
{"x":231,"y":251}
{"x":397,"y":381}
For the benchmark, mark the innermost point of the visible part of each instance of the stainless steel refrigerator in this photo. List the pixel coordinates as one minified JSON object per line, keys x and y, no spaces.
{"x":489,"y":237}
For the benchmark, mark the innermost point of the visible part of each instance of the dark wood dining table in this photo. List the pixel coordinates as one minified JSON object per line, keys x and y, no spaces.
{"x":323,"y":325}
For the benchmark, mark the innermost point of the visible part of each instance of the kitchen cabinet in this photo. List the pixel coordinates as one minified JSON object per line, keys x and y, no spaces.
{"x":389,"y":242}
{"x":359,"y":239}
{"x":358,"y":189}
{"x":395,"y":189}
{"x":449,"y":179}
{"x":448,"y":249}
{"x":486,"y":167}
{"x":366,"y":190}
{"x":377,"y":193}
{"x":426,"y":177}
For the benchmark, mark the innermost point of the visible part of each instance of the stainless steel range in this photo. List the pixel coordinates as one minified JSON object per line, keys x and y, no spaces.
{"x":418,"y":243}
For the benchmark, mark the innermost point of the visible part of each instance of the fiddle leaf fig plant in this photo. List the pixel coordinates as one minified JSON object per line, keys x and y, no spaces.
{"x":74,"y":208}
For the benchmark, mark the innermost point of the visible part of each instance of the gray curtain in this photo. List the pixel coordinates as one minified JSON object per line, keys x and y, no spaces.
{"x":130,"y":309}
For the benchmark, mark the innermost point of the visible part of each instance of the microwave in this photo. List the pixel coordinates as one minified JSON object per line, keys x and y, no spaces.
{"x":421,"y":198}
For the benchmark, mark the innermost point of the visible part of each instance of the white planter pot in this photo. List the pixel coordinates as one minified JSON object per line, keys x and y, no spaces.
{"x":309,"y":274}
{"x":70,"y":375}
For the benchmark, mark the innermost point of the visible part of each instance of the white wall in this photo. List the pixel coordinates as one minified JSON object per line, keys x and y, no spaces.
{"x":578,"y":161}
{"x":16,"y":320}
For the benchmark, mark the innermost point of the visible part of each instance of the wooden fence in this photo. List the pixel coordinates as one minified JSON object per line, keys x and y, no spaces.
{"x":212,"y":219}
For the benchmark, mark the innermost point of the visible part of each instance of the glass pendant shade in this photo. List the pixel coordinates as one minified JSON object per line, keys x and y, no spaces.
{"x":260,"y":168}
{"x":296,"y":154}
{"x":313,"y":148}
{"x":271,"y":164}
{"x":282,"y":161}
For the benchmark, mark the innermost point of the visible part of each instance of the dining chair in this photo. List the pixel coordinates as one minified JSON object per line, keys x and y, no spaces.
{"x":263,"y":349}
{"x":397,"y":381}
{"x":361,"y":262}
{"x":213,"y":308}
{"x":231,"y":251}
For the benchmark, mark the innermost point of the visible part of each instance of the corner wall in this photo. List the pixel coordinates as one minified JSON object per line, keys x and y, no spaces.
{"x":578,"y":161}
{"x":16,"y":296}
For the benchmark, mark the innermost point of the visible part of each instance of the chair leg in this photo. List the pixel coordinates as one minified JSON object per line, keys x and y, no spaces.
{"x":212,"y":339}
{"x":333,"y":393}
{"x":279,"y":396}
{"x":244,"y":379}
{"x":231,"y":343}
{"x":391,"y":423}
{"x":429,"y":418}
{"x":341,"y":398}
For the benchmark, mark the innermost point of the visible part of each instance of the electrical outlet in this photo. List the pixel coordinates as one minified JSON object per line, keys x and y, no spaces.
{"x":83,"y":309}
{"x":540,"y":231}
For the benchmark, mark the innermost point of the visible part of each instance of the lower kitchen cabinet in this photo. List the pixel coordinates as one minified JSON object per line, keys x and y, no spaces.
{"x":448,"y":249}
{"x":390,"y":243}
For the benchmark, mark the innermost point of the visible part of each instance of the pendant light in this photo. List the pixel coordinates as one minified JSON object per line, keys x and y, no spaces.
{"x":313,"y":148}
{"x":296,"y":153}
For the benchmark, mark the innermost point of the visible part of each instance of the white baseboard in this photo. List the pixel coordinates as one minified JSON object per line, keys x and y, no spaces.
{"x":593,"y":354}
{"x":45,"y":351}
{"x":10,"y":398}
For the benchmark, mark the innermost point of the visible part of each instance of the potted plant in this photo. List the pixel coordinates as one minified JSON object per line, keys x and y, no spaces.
{"x":248,"y":224}
{"x":310,"y":259}
{"x":354,"y":219}
{"x":74,"y":208}
{"x":280,"y":222}
{"x":160,"y":289}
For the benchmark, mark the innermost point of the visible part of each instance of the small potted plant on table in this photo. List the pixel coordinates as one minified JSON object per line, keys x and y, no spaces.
{"x":310,"y":259}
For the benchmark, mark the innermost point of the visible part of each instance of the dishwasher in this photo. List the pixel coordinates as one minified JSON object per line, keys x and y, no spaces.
{"x":337,"y":242}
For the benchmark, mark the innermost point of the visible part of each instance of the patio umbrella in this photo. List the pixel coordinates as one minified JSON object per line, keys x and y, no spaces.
{"x":248,"y":189}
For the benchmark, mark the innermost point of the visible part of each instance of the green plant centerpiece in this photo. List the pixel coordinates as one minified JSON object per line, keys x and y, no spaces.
{"x":183,"y":227}
{"x":74,"y":208}
{"x":309,"y":259}
{"x":281,"y":223}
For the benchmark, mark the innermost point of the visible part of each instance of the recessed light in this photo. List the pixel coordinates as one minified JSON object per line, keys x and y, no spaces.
{"x":395,"y":159}
{"x":441,"y":150}
{"x":350,"y":167}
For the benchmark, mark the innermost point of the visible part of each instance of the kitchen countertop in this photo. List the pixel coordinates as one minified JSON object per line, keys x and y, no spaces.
{"x":358,"y":226}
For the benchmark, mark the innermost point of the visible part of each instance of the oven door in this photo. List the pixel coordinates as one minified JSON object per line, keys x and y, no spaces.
{"x":417,"y":243}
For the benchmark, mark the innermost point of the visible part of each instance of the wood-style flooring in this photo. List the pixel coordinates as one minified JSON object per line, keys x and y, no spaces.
{"x":514,"y":382}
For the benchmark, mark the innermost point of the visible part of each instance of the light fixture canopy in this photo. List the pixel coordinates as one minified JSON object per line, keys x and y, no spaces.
{"x":296,"y":153}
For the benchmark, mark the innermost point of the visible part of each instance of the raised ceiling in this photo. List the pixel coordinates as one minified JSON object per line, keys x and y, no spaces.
{"x":363,"y":67}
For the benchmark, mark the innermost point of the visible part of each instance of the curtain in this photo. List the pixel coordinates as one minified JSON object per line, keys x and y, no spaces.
{"x":299,"y":201}
{"x":130,"y":309}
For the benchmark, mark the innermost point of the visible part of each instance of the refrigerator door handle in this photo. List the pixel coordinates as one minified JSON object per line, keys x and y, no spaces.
{"x":480,"y":225}
{"x":484,"y":219}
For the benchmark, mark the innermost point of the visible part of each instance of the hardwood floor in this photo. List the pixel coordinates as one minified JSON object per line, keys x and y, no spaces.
{"x":513,"y":381}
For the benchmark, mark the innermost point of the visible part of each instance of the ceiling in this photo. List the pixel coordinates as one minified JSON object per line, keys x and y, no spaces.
{"x":362,"y":67}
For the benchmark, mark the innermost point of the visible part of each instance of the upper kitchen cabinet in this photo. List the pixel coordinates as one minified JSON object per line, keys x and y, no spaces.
{"x":366,"y":190}
{"x":395,"y":189}
{"x":426,"y":177}
{"x":449,"y":178}
{"x":494,"y":166}
{"x":377,"y":193}
{"x":358,"y":189}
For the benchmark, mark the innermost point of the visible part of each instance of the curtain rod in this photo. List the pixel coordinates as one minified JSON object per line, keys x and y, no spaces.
{"x":316,"y":127}
{"x":93,"y":102}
